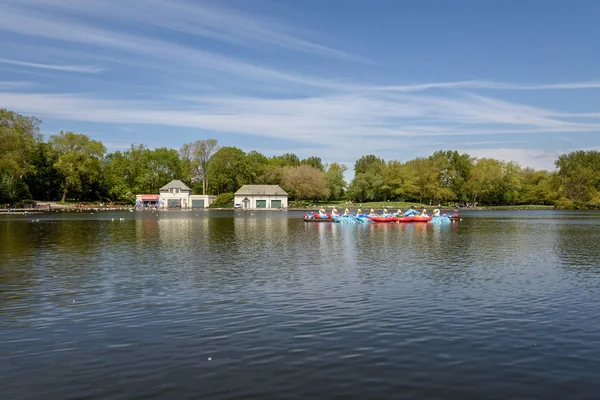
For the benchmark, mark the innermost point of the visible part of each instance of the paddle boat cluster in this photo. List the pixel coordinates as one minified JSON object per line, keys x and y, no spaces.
{"x":411,"y":215}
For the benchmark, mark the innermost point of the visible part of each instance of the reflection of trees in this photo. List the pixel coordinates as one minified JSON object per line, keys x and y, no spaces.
{"x":577,"y":245}
{"x":42,"y":262}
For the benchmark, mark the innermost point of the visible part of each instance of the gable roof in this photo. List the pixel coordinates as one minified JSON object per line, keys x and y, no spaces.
{"x":175,"y":184}
{"x":269,"y":190}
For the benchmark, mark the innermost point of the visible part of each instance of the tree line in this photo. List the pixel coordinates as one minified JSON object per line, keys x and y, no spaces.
{"x":71,"y":166}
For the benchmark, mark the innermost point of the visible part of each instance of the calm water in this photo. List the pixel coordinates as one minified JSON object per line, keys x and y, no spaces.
{"x":229,"y":306}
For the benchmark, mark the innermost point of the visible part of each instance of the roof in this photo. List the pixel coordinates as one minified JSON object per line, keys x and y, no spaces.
{"x":149,"y":196}
{"x":269,"y":190}
{"x":175,"y":184}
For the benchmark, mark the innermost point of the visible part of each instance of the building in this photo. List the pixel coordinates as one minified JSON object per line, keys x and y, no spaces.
{"x":146,"y":200}
{"x":251,"y":197}
{"x":175,"y":195}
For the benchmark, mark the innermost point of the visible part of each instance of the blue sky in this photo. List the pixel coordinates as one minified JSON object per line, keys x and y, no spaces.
{"x":513,"y":80}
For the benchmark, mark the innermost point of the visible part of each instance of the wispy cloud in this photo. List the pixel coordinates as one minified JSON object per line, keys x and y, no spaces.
{"x":14,"y":84}
{"x":475,"y":84}
{"x":88,"y":69}
{"x":199,"y":19}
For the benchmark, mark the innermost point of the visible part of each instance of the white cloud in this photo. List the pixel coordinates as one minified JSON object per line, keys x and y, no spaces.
{"x":14,"y":84}
{"x":195,"y":18}
{"x":90,"y":69}
{"x":475,"y":84}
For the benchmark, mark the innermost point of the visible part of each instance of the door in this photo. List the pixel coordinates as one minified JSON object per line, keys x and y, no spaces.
{"x":198,"y":203}
{"x":172,"y":203}
{"x":261,"y":204}
{"x":275,"y":203}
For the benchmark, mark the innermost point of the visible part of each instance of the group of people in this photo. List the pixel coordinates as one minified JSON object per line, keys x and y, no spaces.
{"x":359,"y":213}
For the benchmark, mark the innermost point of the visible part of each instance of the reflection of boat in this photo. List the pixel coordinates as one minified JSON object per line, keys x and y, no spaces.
{"x":384,"y":219}
{"x":306,"y":219}
{"x":415,"y":219}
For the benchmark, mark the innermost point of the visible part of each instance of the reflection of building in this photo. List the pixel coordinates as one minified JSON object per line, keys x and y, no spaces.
{"x":250,"y":197}
{"x":175,"y":194}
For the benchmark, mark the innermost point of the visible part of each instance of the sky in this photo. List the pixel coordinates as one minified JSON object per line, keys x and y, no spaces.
{"x":339,"y":79}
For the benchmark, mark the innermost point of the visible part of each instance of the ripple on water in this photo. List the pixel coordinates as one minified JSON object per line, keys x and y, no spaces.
{"x":266,"y":306}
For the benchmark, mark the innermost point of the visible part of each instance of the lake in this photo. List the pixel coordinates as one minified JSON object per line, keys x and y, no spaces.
{"x":232,"y":305}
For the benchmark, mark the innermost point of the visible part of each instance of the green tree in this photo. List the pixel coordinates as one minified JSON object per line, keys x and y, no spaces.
{"x":162,"y":165}
{"x":335,"y":180}
{"x":285,"y":160}
{"x":368,"y":163}
{"x":314,"y":162}
{"x":43,"y":180}
{"x":485,"y":179}
{"x":77,"y":159}
{"x":579,"y":176}
{"x":19,"y":136}
{"x":257,"y":164}
{"x":228,"y":170}
{"x":365,"y":187}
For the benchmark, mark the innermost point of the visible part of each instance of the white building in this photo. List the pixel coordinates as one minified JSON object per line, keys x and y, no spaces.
{"x":177,"y":194}
{"x":251,"y":197}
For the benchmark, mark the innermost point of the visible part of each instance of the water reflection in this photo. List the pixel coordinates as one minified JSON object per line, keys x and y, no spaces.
{"x":104,"y":308}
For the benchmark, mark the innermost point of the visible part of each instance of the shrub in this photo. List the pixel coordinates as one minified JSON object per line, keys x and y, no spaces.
{"x":224,"y":200}
{"x":564,"y":204}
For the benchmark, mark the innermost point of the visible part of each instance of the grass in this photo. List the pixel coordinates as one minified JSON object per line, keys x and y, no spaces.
{"x":395,"y":205}
{"x":521,"y":207}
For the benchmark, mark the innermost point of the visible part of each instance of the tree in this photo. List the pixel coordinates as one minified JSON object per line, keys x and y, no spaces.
{"x":305,"y":183}
{"x":43,"y":180}
{"x":195,"y":158}
{"x":335,"y":180}
{"x":368,"y":163}
{"x":77,"y":159}
{"x":579,"y":175}
{"x":257,"y":164}
{"x":314,"y":162}
{"x":228,"y":170}
{"x":365,"y":187}
{"x":485,"y":179}
{"x":19,"y":136}
{"x":162,"y":165}
{"x":285,"y":160}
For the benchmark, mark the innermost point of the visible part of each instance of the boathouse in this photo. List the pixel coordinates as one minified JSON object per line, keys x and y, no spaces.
{"x":177,"y":194}
{"x":251,"y":197}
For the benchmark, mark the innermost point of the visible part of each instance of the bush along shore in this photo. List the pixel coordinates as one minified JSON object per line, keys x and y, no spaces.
{"x":70,"y":166}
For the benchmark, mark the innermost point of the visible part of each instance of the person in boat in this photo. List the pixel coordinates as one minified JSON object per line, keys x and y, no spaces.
{"x":335,"y":213}
{"x":373,"y":214}
{"x":411,"y":213}
{"x":322,"y":213}
{"x":359,"y":214}
{"x":423,"y":214}
{"x":386,"y":214}
{"x":346,"y":212}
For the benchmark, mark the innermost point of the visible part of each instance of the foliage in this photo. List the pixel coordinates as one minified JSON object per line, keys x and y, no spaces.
{"x":224,"y":200}
{"x":335,"y":180}
{"x":78,"y":160}
{"x":579,"y":176}
{"x":228,"y":170}
{"x":314,"y":162}
{"x":73,"y":164}
{"x":305,"y":183}
{"x":19,"y":136}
